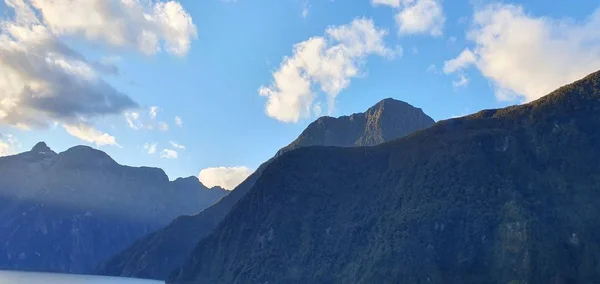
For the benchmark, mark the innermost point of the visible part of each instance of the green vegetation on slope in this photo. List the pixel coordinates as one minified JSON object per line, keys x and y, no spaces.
{"x":159,"y":253}
{"x":502,"y":196}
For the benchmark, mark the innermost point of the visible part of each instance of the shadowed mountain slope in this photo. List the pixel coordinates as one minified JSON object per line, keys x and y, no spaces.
{"x":501,"y":196}
{"x":157,"y":254}
{"x":67,"y":212}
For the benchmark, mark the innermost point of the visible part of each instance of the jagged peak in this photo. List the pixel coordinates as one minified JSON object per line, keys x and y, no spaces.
{"x":386,"y":120}
{"x":41,"y":148}
{"x":218,"y":188}
{"x":390,"y":104}
{"x":188,"y":181}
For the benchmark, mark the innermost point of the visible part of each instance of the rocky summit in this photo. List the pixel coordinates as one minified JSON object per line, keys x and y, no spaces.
{"x":68,"y":212}
{"x":158,"y":254}
{"x":502,"y":196}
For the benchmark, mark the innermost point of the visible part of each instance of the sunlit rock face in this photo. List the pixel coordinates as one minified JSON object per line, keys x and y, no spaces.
{"x":16,"y":277}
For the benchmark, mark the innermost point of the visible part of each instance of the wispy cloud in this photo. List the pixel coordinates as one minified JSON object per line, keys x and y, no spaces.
{"x":168,"y":154}
{"x":432,"y":68}
{"x":391,"y":3}
{"x":305,"y":8}
{"x":90,"y":134}
{"x":150,"y":148}
{"x":462,"y":81}
{"x":163,"y":126}
{"x":136,"y":120}
{"x":177,"y":145}
{"x":153,"y":110}
{"x":178,"y":121}
{"x":133,"y":120}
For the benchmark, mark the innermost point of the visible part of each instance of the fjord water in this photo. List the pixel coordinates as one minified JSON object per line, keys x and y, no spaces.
{"x":16,"y":277}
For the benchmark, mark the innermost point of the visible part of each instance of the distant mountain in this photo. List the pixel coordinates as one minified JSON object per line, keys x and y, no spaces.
{"x":387,"y":120}
{"x":68,"y":212}
{"x":501,"y":196}
{"x":159,"y":253}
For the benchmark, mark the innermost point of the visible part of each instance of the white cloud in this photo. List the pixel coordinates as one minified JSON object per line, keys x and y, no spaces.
{"x":462,"y":81}
{"x":44,"y":80}
{"x":137,"y":121}
{"x":89,"y":134}
{"x":147,"y":26}
{"x":329,"y":62}
{"x":225,"y":177}
{"x":153,"y":112}
{"x":317,"y":110}
{"x":47,"y":82}
{"x":391,"y":3}
{"x":305,"y":8}
{"x":463,"y":61}
{"x":8,"y":145}
{"x":177,"y":145}
{"x":169,"y":154}
{"x":150,"y":148}
{"x":5,"y":149}
{"x":432,"y":69}
{"x":133,"y":120}
{"x":178,"y":121}
{"x":163,"y":126}
{"x":421,"y":17}
{"x":527,"y":57}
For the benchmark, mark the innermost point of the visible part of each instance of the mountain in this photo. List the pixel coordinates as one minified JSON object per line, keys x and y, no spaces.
{"x":159,"y":253}
{"x":502,"y":196}
{"x":68,"y":212}
{"x":387,"y":120}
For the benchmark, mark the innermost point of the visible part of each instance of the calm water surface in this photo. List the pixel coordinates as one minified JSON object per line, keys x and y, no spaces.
{"x":13,"y":277}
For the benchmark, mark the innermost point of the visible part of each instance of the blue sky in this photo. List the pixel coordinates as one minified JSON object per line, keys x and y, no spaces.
{"x":208,"y":71}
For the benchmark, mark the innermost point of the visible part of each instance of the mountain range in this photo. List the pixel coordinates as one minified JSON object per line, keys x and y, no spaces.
{"x":69,"y":211}
{"x":501,"y":196}
{"x":158,"y":254}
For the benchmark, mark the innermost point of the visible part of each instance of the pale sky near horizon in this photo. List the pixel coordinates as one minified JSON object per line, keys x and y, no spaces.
{"x":220,"y":86}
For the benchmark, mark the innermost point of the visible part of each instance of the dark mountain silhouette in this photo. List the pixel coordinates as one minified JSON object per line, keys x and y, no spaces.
{"x":501,"y":196}
{"x":156,"y":255}
{"x":68,"y":212}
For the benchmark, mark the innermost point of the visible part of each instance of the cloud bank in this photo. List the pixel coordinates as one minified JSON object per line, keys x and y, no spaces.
{"x":45,"y":81}
{"x":225,"y":177}
{"x":147,"y":26}
{"x":526,"y":57}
